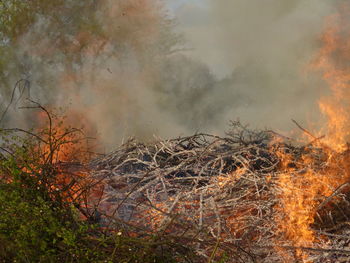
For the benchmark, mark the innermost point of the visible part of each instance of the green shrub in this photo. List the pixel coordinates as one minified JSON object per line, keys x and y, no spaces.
{"x":39,"y":224}
{"x":34,"y":227}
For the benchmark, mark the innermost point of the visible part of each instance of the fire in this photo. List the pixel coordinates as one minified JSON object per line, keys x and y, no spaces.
{"x":332,"y":62}
{"x":302,"y":186}
{"x":224,"y":180}
{"x":298,"y":195}
{"x":65,"y":149}
{"x":297,"y":203}
{"x":66,"y":144}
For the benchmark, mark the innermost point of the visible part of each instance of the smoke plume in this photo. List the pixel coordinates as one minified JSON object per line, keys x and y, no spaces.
{"x":137,"y":76}
{"x":261,"y":49}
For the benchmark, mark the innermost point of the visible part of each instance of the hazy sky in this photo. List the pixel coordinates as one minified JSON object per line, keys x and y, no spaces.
{"x":264,"y":47}
{"x":245,"y":59}
{"x":219,"y":31}
{"x":175,"y":4}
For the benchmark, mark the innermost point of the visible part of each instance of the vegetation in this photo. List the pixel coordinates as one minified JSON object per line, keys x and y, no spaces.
{"x":41,"y":215}
{"x":41,"y":39}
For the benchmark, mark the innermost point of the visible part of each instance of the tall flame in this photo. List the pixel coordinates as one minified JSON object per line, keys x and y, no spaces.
{"x":332,"y":62}
{"x":303,"y":186}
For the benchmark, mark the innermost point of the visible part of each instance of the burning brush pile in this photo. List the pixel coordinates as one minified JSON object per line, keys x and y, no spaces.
{"x":252,"y":196}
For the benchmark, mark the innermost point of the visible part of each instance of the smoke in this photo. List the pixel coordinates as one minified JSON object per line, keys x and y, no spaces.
{"x":262,"y":49}
{"x":105,"y":79}
{"x":130,"y":73}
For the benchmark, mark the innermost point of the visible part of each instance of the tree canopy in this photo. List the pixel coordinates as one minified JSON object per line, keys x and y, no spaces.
{"x":63,"y":32}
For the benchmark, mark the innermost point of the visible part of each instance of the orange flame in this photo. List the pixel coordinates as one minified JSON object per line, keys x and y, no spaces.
{"x":64,"y":148}
{"x":332,"y":62}
{"x":298,"y":201}
{"x":302,"y":187}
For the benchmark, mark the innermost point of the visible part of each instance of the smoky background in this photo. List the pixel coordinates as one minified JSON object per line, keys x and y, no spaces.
{"x":148,"y":68}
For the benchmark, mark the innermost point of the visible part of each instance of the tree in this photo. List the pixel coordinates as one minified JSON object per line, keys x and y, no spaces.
{"x":44,"y":40}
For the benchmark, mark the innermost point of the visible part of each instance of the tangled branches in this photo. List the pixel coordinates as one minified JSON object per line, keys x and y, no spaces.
{"x":222,"y":196}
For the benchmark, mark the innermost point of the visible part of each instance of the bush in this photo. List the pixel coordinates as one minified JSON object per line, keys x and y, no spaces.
{"x":41,"y":222}
{"x":36,"y":224}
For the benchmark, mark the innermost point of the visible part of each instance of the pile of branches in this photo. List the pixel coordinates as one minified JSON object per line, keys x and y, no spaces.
{"x":46,"y":208}
{"x":221,"y":196}
{"x":200,"y":198}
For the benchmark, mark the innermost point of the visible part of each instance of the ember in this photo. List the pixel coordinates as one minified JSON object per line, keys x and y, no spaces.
{"x":249,"y":191}
{"x":247,"y":196}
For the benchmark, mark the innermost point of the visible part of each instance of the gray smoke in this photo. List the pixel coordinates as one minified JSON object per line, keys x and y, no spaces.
{"x":261,"y":50}
{"x":237,"y":59}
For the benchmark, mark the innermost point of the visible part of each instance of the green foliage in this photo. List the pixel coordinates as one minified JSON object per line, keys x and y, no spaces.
{"x":59,"y":32}
{"x":53,"y":44}
{"x":34,"y":225}
{"x":58,"y":22}
{"x":33,"y":229}
{"x":39,"y":224}
{"x":17,"y":17}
